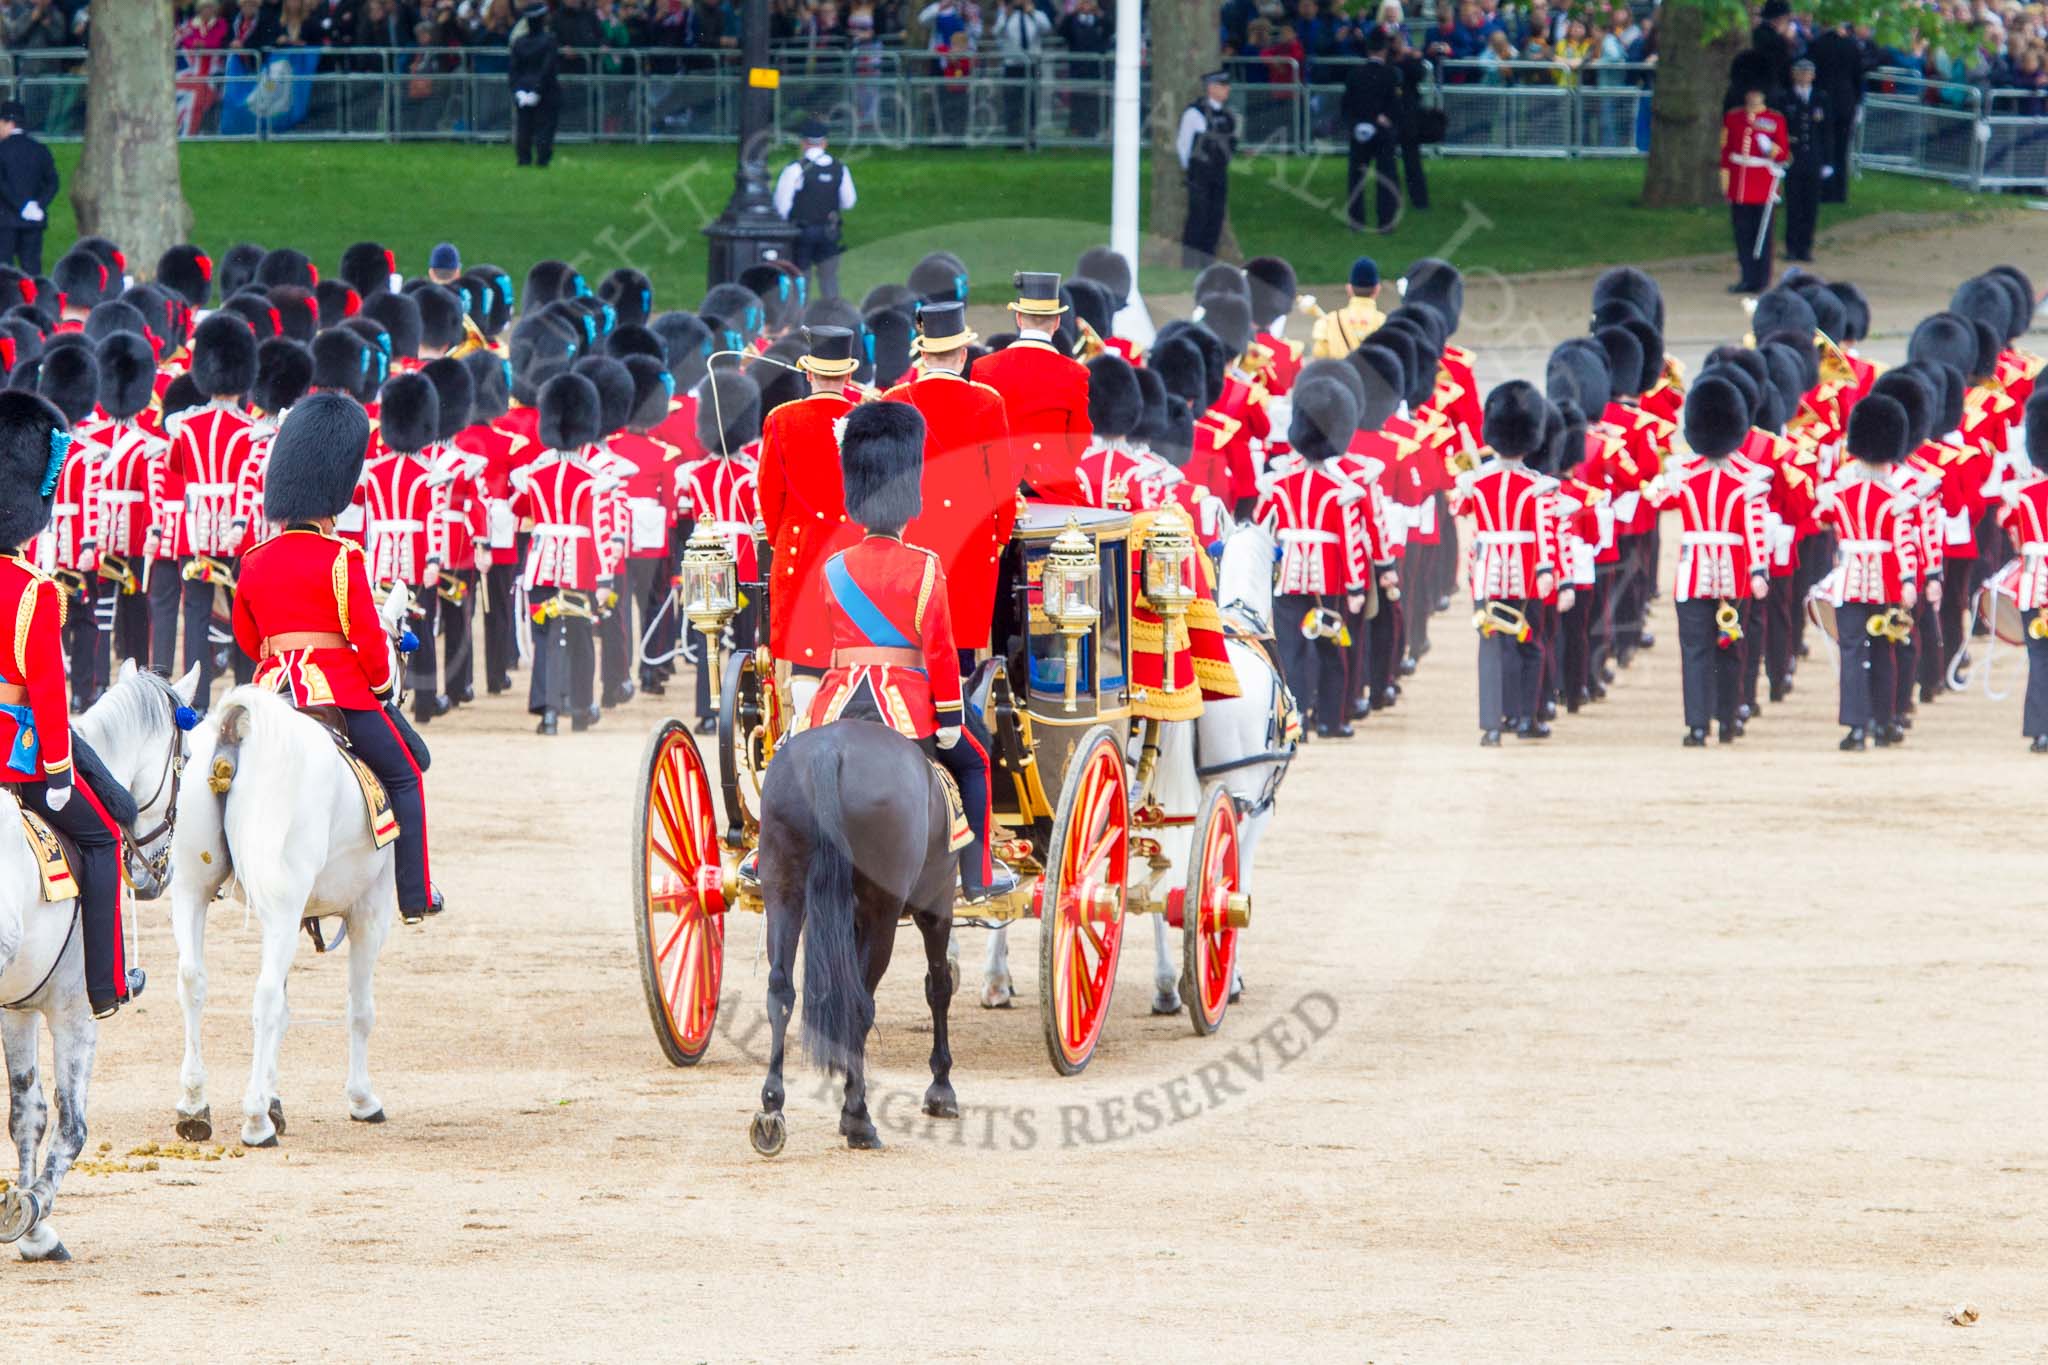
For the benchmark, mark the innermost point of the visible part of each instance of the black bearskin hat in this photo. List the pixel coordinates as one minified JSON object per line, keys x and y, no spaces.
{"x":1985,"y":298}
{"x":547,"y":281}
{"x":188,"y":272}
{"x":1325,"y":415}
{"x":1783,"y":309}
{"x":316,"y":459}
{"x":736,"y":310}
{"x":1830,"y":315}
{"x":2029,"y":301}
{"x":1406,"y":345}
{"x":342,"y":361}
{"x":834,"y":312}
{"x":888,"y":342}
{"x":440,"y":316}
{"x":1424,"y":319}
{"x":1855,"y":311}
{"x":1802,"y":348}
{"x":70,"y":379}
{"x":1230,"y":318}
{"x":1178,"y":362}
{"x":630,"y":293}
{"x":686,"y":340}
{"x":1590,"y":375}
{"x":1878,"y":430}
{"x":1214,"y":359}
{"x":104,"y":248}
{"x":652,"y":390}
{"x":1220,"y":277}
{"x":891,"y":295}
{"x":114,"y":316}
{"x":1950,"y":389}
{"x":614,"y":385}
{"x":1175,"y":440}
{"x":1383,"y":381}
{"x":180,"y":395}
{"x":491,"y":303}
{"x":286,"y":266}
{"x":1652,"y":343}
{"x":1109,"y":269}
{"x":372,"y":331}
{"x":729,"y":404}
{"x":1787,"y":375}
{"x":1944,"y":337}
{"x":1717,"y":417}
{"x":399,"y":315}
{"x":83,"y":279}
{"x":1513,"y":422}
{"x":127,"y":375}
{"x":1273,"y":287}
{"x":569,"y":413}
{"x":633,"y":338}
{"x":455,"y":391}
{"x":1990,"y":342}
{"x":1915,"y":393}
{"x":408,"y":412}
{"x":1114,"y":403}
{"x":2037,"y":429}
{"x":777,"y":291}
{"x":1347,"y":376}
{"x":1152,"y":406}
{"x":1438,"y":284}
{"x":33,"y":446}
{"x":284,"y":371}
{"x":1614,"y":312}
{"x":881,"y":463}
{"x":252,"y":306}
{"x":237,"y":268}
{"x":1633,"y":287}
{"x":337,"y":301}
{"x":298,"y":312}
{"x":223,"y":356}
{"x":367,"y":268}
{"x":940,"y":277}
{"x":490,"y":385}
{"x":1091,"y":304}
{"x":1428,"y":359}
{"x":1624,"y":360}
{"x":781,"y":382}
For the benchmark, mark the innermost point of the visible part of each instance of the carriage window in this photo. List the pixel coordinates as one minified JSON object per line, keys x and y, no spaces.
{"x":1111,"y":643}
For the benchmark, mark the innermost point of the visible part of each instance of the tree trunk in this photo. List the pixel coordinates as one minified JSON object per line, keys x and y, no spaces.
{"x":1685,"y":110}
{"x":127,"y":186}
{"x":1183,"y":49}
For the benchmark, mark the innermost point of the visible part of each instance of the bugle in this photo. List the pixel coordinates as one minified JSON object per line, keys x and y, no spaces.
{"x":1502,"y":618}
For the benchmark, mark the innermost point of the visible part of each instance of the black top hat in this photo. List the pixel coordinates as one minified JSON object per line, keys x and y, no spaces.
{"x":943,"y":327}
{"x":1038,"y":293}
{"x":831,"y":351}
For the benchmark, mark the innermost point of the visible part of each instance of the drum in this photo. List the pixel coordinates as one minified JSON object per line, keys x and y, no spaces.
{"x":1998,"y":602}
{"x":1820,"y":603}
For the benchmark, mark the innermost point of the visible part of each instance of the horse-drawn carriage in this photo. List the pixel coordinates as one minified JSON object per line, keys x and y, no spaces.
{"x":1074,"y":777}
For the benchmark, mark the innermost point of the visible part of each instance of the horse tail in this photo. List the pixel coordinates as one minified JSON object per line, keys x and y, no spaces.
{"x":837,"y":1007}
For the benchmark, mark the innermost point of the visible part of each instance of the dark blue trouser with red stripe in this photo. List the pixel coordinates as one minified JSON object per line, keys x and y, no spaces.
{"x":87,"y":824}
{"x":375,"y":738}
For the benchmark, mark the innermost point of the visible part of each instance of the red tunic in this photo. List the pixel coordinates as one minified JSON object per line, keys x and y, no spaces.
{"x":1045,"y":399}
{"x":649,"y":492}
{"x":561,"y":500}
{"x":117,"y":520}
{"x":205,"y":475}
{"x":723,"y":492}
{"x":882,"y":594}
{"x":1511,"y":545}
{"x":1878,"y":547}
{"x":304,"y":580}
{"x":1743,"y":156}
{"x":1313,"y":515}
{"x":403,"y":530}
{"x":2025,"y":514}
{"x":35,"y":661}
{"x":1721,"y":538}
{"x":497,"y":447}
{"x":804,"y":512}
{"x":969,"y":493}
{"x":1288,"y":358}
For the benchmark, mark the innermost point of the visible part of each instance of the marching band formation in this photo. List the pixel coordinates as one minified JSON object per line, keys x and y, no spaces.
{"x":235,"y":464}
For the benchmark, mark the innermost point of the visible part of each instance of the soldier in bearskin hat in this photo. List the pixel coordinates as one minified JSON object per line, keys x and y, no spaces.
{"x":69,"y":378}
{"x":722,"y":489}
{"x":1878,"y":563}
{"x":323,"y":645}
{"x":2024,"y":514}
{"x":34,"y":720}
{"x":203,"y":475}
{"x":402,"y":527}
{"x":464,"y":525}
{"x":560,"y":501}
{"x":129,"y":456}
{"x":1513,"y":561}
{"x":368,"y":268}
{"x":893,"y":654}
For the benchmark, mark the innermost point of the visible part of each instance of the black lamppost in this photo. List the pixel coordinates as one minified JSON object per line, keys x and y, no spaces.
{"x":750,"y":230}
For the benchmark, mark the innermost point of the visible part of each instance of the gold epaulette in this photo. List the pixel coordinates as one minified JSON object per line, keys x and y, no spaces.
{"x":1226,"y":428}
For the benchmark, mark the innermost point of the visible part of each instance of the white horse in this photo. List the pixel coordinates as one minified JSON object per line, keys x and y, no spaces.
{"x":134,"y":730}
{"x":291,"y":828}
{"x":1234,"y":743}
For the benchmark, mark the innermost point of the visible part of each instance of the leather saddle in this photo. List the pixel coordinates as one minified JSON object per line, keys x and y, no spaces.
{"x":56,"y":856}
{"x":376,"y":803}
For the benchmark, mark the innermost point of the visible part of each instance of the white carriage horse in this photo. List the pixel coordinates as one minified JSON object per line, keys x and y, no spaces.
{"x":1240,"y":743}
{"x":281,"y":812}
{"x":135,"y":730}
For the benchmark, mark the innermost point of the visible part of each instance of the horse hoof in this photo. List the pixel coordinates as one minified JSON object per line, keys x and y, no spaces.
{"x":768,"y":1132}
{"x":56,"y":1254}
{"x":864,"y":1140}
{"x":1165,"y":1002}
{"x":942,"y":1107}
{"x":20,"y":1211}
{"x":996,"y":995}
{"x":377,"y":1117}
{"x":196,"y":1127}
{"x":277,"y":1116}
{"x":270,"y":1141}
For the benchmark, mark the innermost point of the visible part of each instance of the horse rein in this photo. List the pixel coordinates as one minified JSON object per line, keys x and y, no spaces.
{"x":171,"y":775}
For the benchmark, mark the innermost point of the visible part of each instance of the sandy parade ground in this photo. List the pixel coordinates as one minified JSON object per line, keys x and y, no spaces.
{"x":1598,"y":1049}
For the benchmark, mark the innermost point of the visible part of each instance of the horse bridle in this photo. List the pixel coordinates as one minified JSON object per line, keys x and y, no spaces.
{"x":171,"y":776}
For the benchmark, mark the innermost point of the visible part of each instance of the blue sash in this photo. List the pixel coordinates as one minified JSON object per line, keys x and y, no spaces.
{"x":865,"y":615}
{"x":25,"y":754}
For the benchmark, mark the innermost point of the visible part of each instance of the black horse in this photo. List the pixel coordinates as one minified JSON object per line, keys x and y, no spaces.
{"x":854,"y":831}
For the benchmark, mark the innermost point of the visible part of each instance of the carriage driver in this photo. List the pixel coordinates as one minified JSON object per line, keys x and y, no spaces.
{"x":34,"y":723}
{"x":303,"y":610}
{"x":893,"y":658}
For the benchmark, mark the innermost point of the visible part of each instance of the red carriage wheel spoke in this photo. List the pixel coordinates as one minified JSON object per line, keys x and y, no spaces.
{"x":682,"y":959}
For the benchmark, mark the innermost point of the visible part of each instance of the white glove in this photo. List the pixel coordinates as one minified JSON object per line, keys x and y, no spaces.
{"x":31,"y":212}
{"x":1362,"y":132}
{"x":947,"y":736}
{"x":1827,"y":172}
{"x":1764,"y":144}
{"x":1567,"y":599}
{"x":1354,"y":602}
{"x":526,"y":99}
{"x":396,"y":604}
{"x":57,"y":798}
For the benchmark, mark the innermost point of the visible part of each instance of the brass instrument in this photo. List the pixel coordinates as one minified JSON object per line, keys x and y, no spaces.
{"x":1306,"y":305}
{"x":576,"y":606}
{"x":1258,"y":358}
{"x":1090,"y":344}
{"x":1728,"y":621}
{"x":453,"y":591}
{"x":2037,"y":628}
{"x":118,"y":570}
{"x":1321,"y":623}
{"x":1893,"y":623}
{"x":71,"y":581}
{"x":207,"y":569}
{"x":1502,"y":618}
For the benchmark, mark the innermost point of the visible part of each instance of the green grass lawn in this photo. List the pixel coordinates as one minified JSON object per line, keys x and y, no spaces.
{"x":603,"y":206}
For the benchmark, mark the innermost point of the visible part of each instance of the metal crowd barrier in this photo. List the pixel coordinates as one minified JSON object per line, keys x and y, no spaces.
{"x":1529,"y":109}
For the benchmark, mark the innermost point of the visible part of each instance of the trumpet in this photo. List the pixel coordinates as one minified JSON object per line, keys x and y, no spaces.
{"x":576,"y":606}
{"x":2037,"y":628}
{"x":1893,"y":623}
{"x":207,"y":569}
{"x":1306,"y":305}
{"x":1090,"y":344}
{"x":1323,"y":624}
{"x":453,"y":591}
{"x":71,"y":581}
{"x":117,"y":569}
{"x":1728,"y":621}
{"x":1502,"y":618}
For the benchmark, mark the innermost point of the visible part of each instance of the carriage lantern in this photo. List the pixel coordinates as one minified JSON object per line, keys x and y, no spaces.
{"x":709,"y":585}
{"x":1069,"y":590}
{"x":1169,"y":570}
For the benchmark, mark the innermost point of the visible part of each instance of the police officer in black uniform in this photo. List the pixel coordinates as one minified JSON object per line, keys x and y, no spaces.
{"x":535,"y":69}
{"x":1206,"y":140}
{"x":814,"y":192}
{"x":1808,"y":122}
{"x":28,"y":182}
{"x":1371,"y":112}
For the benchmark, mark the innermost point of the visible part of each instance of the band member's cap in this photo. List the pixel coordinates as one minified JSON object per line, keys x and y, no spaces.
{"x":831,"y":351}
{"x":942,"y":327}
{"x":1038,"y":293}
{"x":1365,"y":273}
